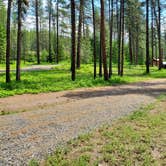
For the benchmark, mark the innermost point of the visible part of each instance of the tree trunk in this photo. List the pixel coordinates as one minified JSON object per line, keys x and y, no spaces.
{"x":119,"y":40}
{"x":147,"y":36}
{"x":117,"y":16}
{"x":100,"y":58}
{"x":57,"y":36}
{"x":130,"y":47}
{"x":80,"y":33}
{"x":73,"y":36}
{"x":8,"y":42}
{"x":122,"y":57}
{"x":37,"y":32}
{"x":50,"y":56}
{"x":103,"y":45}
{"x":111,"y":31}
{"x":137,"y":45}
{"x":152,"y":30}
{"x":94,"y":37}
{"x":84,"y":33}
{"x":159,"y":35}
{"x":19,"y":37}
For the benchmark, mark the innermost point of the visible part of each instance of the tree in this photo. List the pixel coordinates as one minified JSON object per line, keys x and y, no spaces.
{"x":130,"y":46}
{"x":37,"y":31}
{"x":103,"y":44}
{"x":20,"y":11}
{"x":111,"y":10}
{"x":57,"y":32}
{"x":147,"y":36}
{"x":19,"y":41}
{"x":159,"y":34}
{"x":119,"y":39}
{"x":8,"y":41}
{"x":122,"y":56}
{"x":94,"y":38}
{"x":80,"y":33}
{"x":49,"y":18}
{"x":73,"y":40}
{"x":152,"y":31}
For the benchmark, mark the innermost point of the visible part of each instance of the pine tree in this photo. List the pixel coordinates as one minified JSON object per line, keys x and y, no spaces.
{"x":21,"y":10}
{"x":80,"y":33}
{"x":8,"y":41}
{"x":94,"y":38}
{"x":147,"y":36}
{"x":37,"y":31}
{"x":103,"y":44}
{"x":73,"y":40}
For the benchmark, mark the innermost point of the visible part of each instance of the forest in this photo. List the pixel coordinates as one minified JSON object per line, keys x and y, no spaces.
{"x":69,"y":69}
{"x":108,"y":34}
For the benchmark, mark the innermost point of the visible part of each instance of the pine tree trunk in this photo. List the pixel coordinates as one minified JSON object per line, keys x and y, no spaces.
{"x":73,"y":40}
{"x":80,"y":33}
{"x":50,"y":56}
{"x":37,"y":32}
{"x":137,"y":46}
{"x":19,"y":37}
{"x":147,"y":36}
{"x":57,"y":36}
{"x":159,"y":35}
{"x":8,"y":42}
{"x":100,"y":59}
{"x":111,"y":32}
{"x":117,"y":16}
{"x":94,"y":38}
{"x":152,"y":30}
{"x":130,"y":47}
{"x":103,"y":44}
{"x":119,"y":40}
{"x":122,"y":57}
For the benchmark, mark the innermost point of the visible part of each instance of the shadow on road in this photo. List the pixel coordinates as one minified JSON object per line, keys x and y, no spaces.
{"x":146,"y":88}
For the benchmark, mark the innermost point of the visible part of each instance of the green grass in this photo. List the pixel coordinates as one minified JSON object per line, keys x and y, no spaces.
{"x":59,"y":79}
{"x":137,"y":139}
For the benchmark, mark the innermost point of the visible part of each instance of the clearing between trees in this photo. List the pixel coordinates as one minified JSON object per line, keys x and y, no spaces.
{"x":53,"y":119}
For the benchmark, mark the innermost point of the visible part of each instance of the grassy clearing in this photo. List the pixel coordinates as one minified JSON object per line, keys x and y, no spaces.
{"x":138,"y":139}
{"x":59,"y":79}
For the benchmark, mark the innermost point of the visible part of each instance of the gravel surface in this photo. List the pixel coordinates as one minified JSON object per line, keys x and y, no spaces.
{"x":33,"y":68}
{"x":36,"y":133}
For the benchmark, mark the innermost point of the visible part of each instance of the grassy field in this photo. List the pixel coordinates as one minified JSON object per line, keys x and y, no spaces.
{"x":60,"y":79}
{"x":138,"y":139}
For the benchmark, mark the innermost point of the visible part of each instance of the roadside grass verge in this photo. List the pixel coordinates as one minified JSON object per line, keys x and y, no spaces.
{"x":138,"y":139}
{"x":59,"y":79}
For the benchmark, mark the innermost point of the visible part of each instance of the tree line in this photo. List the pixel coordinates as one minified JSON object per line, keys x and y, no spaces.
{"x":103,"y":32}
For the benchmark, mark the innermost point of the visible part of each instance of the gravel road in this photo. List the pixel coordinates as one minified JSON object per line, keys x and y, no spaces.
{"x":33,"y":68}
{"x":55,"y":118}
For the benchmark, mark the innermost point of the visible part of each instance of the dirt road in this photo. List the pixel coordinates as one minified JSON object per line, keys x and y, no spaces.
{"x":47,"y":120}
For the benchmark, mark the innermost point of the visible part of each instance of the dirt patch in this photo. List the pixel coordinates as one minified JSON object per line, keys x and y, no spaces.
{"x":30,"y":102}
{"x":55,"y":118}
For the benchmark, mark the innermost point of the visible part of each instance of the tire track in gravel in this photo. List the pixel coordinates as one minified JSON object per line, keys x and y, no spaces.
{"x":65,"y":115}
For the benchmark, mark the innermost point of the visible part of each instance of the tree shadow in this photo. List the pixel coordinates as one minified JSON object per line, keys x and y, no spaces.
{"x":142,"y":88}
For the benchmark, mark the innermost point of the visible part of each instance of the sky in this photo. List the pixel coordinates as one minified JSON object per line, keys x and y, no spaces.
{"x":30,"y":19}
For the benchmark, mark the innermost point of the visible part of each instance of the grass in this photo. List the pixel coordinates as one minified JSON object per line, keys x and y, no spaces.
{"x":137,"y":139}
{"x":59,"y":79}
